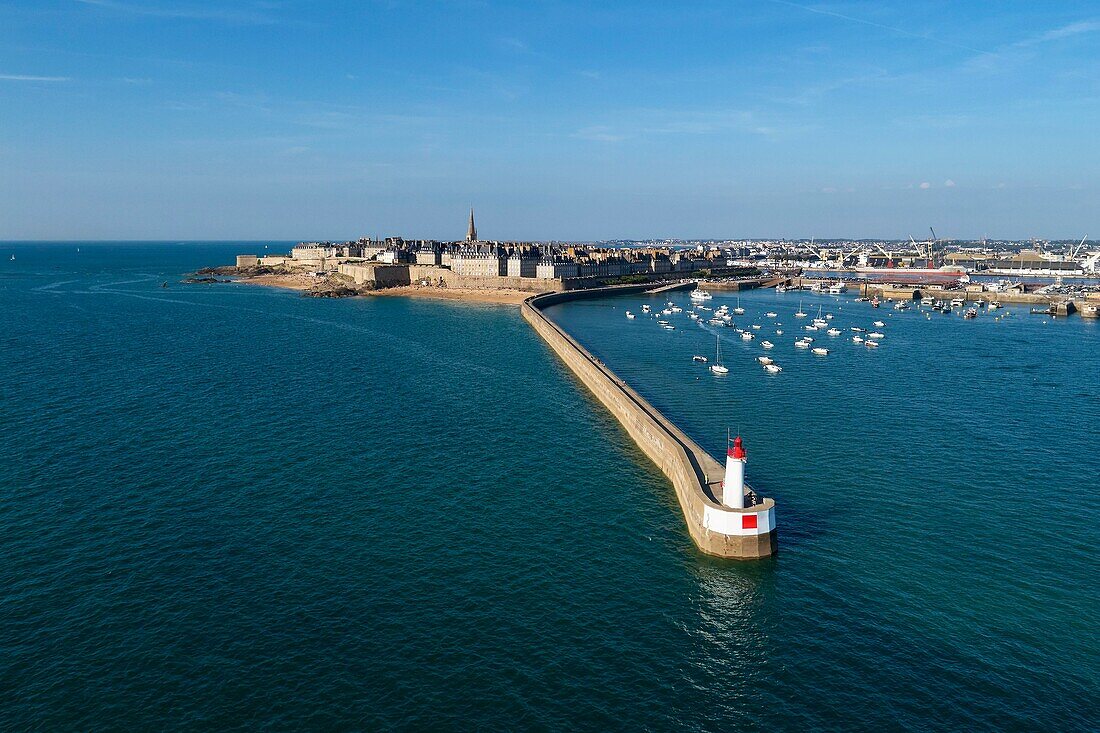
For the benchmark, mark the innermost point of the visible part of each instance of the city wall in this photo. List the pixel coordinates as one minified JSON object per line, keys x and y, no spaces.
{"x":695,"y":475}
{"x":389,"y":276}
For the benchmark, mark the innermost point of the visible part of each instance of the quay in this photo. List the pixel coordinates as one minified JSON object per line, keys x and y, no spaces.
{"x":745,"y":531}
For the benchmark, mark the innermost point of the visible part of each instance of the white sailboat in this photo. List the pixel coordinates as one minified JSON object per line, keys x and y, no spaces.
{"x":739,"y":310}
{"x":716,"y":367}
{"x":800,"y":314}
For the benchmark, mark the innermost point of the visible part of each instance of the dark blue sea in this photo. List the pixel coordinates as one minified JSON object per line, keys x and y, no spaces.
{"x":228,"y":507}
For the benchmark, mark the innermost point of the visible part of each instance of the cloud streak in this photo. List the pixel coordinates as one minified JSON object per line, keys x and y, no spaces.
{"x":26,"y":77}
{"x":880,"y":26}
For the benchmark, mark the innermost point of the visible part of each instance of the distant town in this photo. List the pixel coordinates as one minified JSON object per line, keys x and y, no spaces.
{"x":476,"y":265}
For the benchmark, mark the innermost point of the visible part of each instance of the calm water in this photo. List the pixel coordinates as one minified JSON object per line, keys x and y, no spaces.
{"x":229,"y":507}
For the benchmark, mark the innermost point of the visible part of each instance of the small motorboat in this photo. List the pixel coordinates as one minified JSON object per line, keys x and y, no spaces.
{"x":770,"y":314}
{"x":808,"y":339}
{"x":833,"y":332}
{"x":700,"y":295}
{"x":876,"y":335}
{"x":755,"y":327}
{"x":645,"y":309}
{"x":857,"y":329}
{"x":629,"y":314}
{"x":872,"y":344}
{"x":828,"y":316}
{"x":811,"y":327}
{"x":668,"y":327}
{"x":779,"y":332}
{"x":767,"y":344}
{"x":802,"y":344}
{"x":773,"y":368}
{"x":857,"y":339}
{"x":993,"y":306}
{"x":879,"y":324}
{"x":746,"y":336}
{"x":700,"y":359}
{"x":820,"y":351}
{"x":971,"y":313}
{"x":764,"y":359}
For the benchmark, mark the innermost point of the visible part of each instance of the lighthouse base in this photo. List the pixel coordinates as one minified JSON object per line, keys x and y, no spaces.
{"x":741,"y":547}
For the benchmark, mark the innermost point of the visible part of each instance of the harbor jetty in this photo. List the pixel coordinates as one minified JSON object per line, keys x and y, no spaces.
{"x":724,"y":517}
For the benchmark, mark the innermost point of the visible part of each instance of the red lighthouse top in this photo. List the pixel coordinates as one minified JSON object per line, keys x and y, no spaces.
{"x":737,"y":451}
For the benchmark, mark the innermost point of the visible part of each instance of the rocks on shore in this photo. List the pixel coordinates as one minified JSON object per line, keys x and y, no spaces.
{"x":203,"y":280}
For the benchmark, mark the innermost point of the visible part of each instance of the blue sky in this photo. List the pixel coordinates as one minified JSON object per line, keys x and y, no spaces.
{"x":557,"y":120}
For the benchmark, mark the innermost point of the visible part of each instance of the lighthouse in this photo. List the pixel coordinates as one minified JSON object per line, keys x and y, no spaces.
{"x":733,"y":485}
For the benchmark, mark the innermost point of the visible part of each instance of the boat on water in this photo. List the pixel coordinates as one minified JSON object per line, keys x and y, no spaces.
{"x":879,"y":324}
{"x":876,"y":335}
{"x":857,"y":329}
{"x":927,"y":300}
{"x":676,"y":309}
{"x":779,"y":332}
{"x":857,"y":339}
{"x":770,"y":314}
{"x":833,"y":332}
{"x":901,"y":305}
{"x":807,"y":339}
{"x":971,"y":313}
{"x":872,"y":344}
{"x":957,"y":302}
{"x":668,"y":327}
{"x":800,"y":314}
{"x":629,"y":314}
{"x":802,"y":344}
{"x":811,"y":327}
{"x":700,"y":295}
{"x":764,"y":359}
{"x":716,"y":367}
{"x":755,"y":327}
{"x":747,"y":336}
{"x":716,"y":322}
{"x":773,"y":368}
{"x":837,"y":288}
{"x":820,"y":351}
{"x":993,"y":305}
{"x":645,"y":309}
{"x":875,"y":302}
{"x":699,"y":358}
{"x":767,"y":344}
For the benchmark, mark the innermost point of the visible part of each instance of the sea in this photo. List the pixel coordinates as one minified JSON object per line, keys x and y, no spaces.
{"x":229,"y":507}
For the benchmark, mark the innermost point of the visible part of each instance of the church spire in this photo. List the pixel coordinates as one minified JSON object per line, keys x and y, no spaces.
{"x":471,"y":231}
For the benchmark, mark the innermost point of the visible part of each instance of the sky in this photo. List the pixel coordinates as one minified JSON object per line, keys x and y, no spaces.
{"x":318,"y":119}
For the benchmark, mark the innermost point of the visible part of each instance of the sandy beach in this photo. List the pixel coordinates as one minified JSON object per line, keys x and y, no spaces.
{"x":510,"y":297}
{"x":293,"y":281}
{"x":300,"y":281}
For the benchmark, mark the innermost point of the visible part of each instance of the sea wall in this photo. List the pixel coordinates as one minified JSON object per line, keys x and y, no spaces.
{"x":388,"y":276}
{"x":696,"y":477}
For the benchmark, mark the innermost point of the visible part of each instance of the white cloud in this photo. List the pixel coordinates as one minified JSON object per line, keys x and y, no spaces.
{"x":1066,"y":31}
{"x":25,"y":77}
{"x":599,"y":133}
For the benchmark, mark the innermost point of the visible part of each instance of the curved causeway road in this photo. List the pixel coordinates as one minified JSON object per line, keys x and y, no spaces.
{"x":743,"y":534}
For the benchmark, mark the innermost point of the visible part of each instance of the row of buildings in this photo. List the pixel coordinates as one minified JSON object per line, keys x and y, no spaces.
{"x":481,"y":258}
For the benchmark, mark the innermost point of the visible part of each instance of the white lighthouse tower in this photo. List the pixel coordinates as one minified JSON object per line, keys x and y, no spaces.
{"x":733,"y":485}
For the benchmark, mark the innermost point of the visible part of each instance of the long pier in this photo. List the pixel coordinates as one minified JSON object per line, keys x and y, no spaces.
{"x":716,"y":529}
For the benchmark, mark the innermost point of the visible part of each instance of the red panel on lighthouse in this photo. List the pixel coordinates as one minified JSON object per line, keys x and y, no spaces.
{"x":748,"y":521}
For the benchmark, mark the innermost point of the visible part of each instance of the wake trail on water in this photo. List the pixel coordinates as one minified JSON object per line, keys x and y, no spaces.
{"x":396,"y":344}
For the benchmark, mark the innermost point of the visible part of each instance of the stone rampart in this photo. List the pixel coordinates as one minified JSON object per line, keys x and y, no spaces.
{"x":696,"y":477}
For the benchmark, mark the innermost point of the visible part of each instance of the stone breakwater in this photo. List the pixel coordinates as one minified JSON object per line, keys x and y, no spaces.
{"x":716,"y":529}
